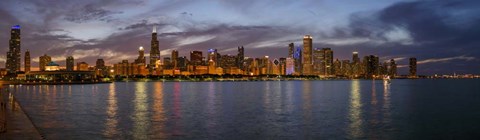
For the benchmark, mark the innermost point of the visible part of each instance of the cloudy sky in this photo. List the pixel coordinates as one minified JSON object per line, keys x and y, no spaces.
{"x":443,"y":35}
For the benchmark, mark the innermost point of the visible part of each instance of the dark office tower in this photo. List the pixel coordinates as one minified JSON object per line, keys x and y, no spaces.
{"x":154,"y":50}
{"x":297,"y":56}
{"x":240,"y":57}
{"x":290,"y":50}
{"x":44,"y":60}
{"x":13,"y":54}
{"x":70,"y":63}
{"x":355,"y":58}
{"x":371,"y":66}
{"x":100,"y":64}
{"x":356,"y":66}
{"x":307,"y":55}
{"x":27,"y":61}
{"x":167,"y":63}
{"x":392,"y":71}
{"x":141,"y":56}
{"x":413,"y":67}
{"x":196,"y":58}
{"x":175,"y":59}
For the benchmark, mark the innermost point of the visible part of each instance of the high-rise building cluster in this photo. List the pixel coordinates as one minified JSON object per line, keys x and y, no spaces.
{"x":301,"y":60}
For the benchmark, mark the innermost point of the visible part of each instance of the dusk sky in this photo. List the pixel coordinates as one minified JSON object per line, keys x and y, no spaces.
{"x":443,"y":35}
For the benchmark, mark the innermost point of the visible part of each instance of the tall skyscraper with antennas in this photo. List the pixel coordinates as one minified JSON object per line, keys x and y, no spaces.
{"x":154,"y":51}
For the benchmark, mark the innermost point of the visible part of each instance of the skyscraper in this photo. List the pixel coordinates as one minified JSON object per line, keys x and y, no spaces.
{"x":175,"y":59}
{"x":355,"y":58}
{"x":291,"y":48}
{"x":141,"y":56}
{"x":212,"y":55}
{"x":392,"y":71}
{"x":413,"y":67}
{"x":70,"y":63}
{"x":318,"y":61}
{"x":13,"y":54}
{"x":307,"y":55}
{"x":290,"y":66}
{"x":27,"y":61}
{"x":297,"y":56}
{"x":100,"y":64}
{"x":44,"y":60}
{"x":328,"y":57}
{"x":323,"y":61}
{"x":371,"y":65}
{"x":240,"y":57}
{"x":356,"y":67}
{"x":196,"y":58}
{"x":154,"y":51}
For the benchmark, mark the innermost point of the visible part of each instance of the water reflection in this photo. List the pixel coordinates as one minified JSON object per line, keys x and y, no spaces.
{"x":307,"y":107}
{"x":140,"y":118}
{"x":386,"y":103}
{"x":355,"y":111}
{"x":176,"y":108}
{"x":111,"y":123}
{"x":158,"y":112}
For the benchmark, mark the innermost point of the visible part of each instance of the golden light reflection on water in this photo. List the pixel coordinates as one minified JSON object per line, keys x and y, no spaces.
{"x":158,"y":117}
{"x":386,"y":103}
{"x":355,"y":111}
{"x":111,"y":124}
{"x":140,"y":118}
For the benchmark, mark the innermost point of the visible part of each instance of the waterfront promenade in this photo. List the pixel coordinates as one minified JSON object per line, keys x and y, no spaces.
{"x":15,"y":124}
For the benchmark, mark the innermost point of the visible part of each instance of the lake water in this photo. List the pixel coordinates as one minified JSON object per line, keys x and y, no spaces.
{"x":334,"y":109}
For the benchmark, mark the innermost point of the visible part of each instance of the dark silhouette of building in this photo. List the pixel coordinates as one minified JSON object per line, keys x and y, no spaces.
{"x":392,"y":71}
{"x":70,"y":63}
{"x":240,"y":57}
{"x":371,"y":63}
{"x":154,"y":51}
{"x":291,"y":50}
{"x":175,"y":59}
{"x":413,"y":67}
{"x":44,"y":60}
{"x":27,"y":61}
{"x":13,"y":54}
{"x":196,"y":58}
{"x":307,"y":55}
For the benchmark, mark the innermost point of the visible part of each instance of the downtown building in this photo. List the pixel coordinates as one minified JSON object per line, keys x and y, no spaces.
{"x":13,"y":55}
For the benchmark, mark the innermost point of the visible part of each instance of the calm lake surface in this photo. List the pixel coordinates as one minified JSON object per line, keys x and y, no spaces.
{"x":334,"y":109}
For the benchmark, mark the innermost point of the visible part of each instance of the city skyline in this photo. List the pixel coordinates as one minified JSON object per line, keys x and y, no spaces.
{"x":400,"y":39}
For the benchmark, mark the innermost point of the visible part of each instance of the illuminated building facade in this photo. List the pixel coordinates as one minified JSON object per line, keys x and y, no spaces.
{"x":44,"y":60}
{"x":82,"y":66}
{"x":307,"y":55}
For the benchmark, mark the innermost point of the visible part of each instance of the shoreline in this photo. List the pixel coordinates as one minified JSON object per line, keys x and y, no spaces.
{"x":191,"y":80}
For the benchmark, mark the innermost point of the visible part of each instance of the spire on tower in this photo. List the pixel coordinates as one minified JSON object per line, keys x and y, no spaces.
{"x":154,"y":29}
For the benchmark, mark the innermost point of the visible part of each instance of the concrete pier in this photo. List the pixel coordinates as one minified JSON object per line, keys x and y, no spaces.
{"x":16,"y":123}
